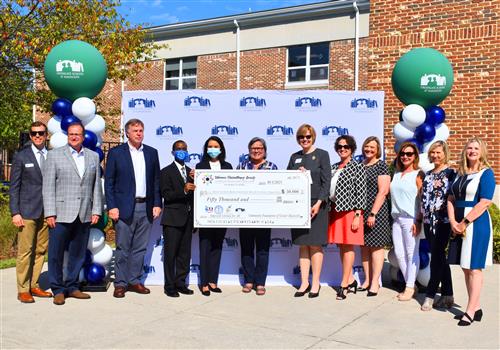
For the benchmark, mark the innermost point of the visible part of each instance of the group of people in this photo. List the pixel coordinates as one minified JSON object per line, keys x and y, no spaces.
{"x":55,"y":196}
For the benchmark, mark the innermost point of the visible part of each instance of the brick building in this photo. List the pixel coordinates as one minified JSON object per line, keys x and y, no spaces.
{"x":337,"y":45}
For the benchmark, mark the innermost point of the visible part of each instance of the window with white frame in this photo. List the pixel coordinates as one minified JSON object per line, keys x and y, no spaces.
{"x":180,"y":73}
{"x":308,"y":63}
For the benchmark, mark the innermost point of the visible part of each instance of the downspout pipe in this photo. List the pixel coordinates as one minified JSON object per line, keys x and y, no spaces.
{"x":356,"y":49}
{"x":237,"y":54}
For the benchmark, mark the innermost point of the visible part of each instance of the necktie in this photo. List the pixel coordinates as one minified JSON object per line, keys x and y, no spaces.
{"x":42,"y":160}
{"x":184,"y":175}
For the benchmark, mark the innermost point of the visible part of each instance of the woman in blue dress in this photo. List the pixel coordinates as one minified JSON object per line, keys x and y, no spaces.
{"x":471,"y":195}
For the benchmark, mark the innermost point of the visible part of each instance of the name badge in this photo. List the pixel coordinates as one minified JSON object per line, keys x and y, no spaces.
{"x":298,"y":160}
{"x":29,"y":165}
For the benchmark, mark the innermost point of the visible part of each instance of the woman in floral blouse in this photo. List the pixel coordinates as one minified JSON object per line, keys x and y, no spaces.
{"x":437,"y":228}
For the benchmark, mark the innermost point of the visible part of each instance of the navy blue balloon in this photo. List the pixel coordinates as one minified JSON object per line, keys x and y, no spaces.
{"x":401,"y":115}
{"x":424,"y":246}
{"x":62,"y":107}
{"x":417,"y":143}
{"x":100,"y":153}
{"x":424,"y":259}
{"x":90,"y":140}
{"x":95,"y":273}
{"x":435,"y":115}
{"x":67,"y":120}
{"x":425,"y":132}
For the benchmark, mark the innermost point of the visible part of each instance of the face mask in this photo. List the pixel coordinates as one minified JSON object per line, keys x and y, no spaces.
{"x":181,"y":155}
{"x":213,"y":152}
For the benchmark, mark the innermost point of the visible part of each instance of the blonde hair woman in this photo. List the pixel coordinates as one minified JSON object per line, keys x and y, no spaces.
{"x":471,"y":195}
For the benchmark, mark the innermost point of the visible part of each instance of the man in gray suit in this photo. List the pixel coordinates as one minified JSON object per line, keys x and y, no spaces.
{"x":26,"y":208}
{"x":72,"y":199}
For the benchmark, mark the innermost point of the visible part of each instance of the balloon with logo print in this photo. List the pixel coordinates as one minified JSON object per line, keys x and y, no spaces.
{"x":423,"y":76}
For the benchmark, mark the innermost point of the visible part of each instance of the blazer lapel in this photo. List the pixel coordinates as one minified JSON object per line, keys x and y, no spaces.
{"x":31,"y":156}
{"x":67,"y":153}
{"x":130,"y":164}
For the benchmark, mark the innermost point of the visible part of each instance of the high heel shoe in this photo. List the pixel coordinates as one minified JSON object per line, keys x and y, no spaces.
{"x":301,"y":294}
{"x":465,"y":322}
{"x":215,"y":290}
{"x":205,"y":292}
{"x":340,"y":293}
{"x":314,"y":295}
{"x":371,"y":294}
{"x":353,"y":287}
{"x":478,"y":315}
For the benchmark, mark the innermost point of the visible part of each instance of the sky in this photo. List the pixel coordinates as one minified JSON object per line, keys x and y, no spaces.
{"x":161,"y":12}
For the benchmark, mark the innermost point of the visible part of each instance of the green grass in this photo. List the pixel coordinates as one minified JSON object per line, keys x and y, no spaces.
{"x":7,"y":263}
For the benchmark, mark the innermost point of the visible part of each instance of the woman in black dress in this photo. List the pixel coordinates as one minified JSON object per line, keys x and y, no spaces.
{"x":214,"y":155}
{"x":317,"y":161}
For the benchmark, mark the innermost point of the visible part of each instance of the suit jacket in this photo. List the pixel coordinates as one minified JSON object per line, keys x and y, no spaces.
{"x":119,"y":181}
{"x":26,"y":182}
{"x":205,"y":164}
{"x":65,"y":194}
{"x":177,"y":204}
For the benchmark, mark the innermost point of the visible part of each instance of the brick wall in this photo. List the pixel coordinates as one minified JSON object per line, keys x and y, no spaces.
{"x":466,"y":31}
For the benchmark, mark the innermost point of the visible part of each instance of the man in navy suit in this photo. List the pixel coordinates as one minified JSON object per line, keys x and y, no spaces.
{"x":26,"y":207}
{"x":132,"y":190}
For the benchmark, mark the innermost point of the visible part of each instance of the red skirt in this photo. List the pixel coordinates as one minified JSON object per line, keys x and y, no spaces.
{"x":339,"y":228}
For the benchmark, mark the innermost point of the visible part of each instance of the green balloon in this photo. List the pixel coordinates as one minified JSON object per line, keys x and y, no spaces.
{"x":103,"y":222}
{"x":75,"y":69}
{"x":423,"y":76}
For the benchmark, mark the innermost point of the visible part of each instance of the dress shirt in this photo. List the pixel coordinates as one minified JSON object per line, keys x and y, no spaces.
{"x":79,"y":158}
{"x":139,"y":164}
{"x":215,"y":165}
{"x":37,"y":151}
{"x":182,"y":170}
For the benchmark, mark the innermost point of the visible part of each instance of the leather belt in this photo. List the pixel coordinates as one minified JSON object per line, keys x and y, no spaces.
{"x":140,"y":200}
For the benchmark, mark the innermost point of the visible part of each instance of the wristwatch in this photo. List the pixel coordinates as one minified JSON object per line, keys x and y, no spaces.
{"x":357,"y":215}
{"x":372,"y":214}
{"x":466,"y":221}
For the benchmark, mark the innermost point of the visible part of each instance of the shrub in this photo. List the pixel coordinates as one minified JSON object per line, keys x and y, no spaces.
{"x":8,"y":233}
{"x":495,"y":219}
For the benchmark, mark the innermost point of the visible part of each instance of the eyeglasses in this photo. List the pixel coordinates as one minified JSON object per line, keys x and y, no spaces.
{"x":37,"y":133}
{"x":256,"y":149}
{"x":74,"y":134}
{"x":406,"y":154}
{"x":343,"y":146}
{"x":301,"y":137}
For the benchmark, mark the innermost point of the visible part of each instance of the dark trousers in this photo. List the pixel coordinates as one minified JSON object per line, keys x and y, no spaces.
{"x":176,"y":255}
{"x":255,"y":245}
{"x":131,"y":245}
{"x":211,"y":240}
{"x":440,"y":269}
{"x":72,"y":237}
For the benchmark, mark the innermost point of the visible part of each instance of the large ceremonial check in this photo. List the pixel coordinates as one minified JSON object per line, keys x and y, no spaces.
{"x":246,"y":198}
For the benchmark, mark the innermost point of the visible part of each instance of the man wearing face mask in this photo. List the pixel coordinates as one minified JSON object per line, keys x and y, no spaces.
{"x":132,"y":185}
{"x":176,"y":186}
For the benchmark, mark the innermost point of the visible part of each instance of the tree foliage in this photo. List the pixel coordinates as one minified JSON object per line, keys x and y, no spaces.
{"x":30,"y":28}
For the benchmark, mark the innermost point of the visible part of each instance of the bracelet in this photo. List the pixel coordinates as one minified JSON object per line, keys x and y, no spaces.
{"x":357,"y":215}
{"x":466,"y":221}
{"x":372,"y":214}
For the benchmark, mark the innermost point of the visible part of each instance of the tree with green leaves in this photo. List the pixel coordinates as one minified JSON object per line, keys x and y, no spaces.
{"x":28,"y":31}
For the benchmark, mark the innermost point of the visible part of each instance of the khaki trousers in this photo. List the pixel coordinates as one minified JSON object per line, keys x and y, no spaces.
{"x":32,"y":243}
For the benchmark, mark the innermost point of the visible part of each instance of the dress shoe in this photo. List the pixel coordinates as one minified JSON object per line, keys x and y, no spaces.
{"x":78,"y":295}
{"x":37,"y":292}
{"x":25,"y":298}
{"x":214,"y":289}
{"x":353,"y":287}
{"x":407,"y":294}
{"x":205,"y":293}
{"x":371,"y":294}
{"x":119,"y":292}
{"x":467,"y":322}
{"x":314,"y":295}
{"x":301,"y":294}
{"x":59,"y":299}
{"x":478,"y":315}
{"x":185,"y":290}
{"x":342,"y":293}
{"x":138,"y":288}
{"x":172,"y":293}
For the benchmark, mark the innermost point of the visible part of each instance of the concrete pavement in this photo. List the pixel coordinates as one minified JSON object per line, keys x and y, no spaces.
{"x":233,"y":320}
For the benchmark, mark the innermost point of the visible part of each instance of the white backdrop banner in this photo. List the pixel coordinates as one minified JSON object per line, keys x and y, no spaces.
{"x":236,"y":117}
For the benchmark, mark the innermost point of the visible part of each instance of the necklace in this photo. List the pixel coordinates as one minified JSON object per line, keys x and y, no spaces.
{"x":462,"y":183}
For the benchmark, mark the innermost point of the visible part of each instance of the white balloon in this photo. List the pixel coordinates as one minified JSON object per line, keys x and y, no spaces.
{"x":442,"y":132}
{"x":402,"y":131}
{"x":58,"y":139}
{"x":103,"y":256}
{"x":424,"y":163}
{"x":54,"y":125}
{"x":99,"y":140}
{"x":96,"y":124}
{"x":424,"y":275}
{"x":83,"y":108}
{"x":96,"y":240}
{"x":413,"y":115}
{"x":391,"y":256}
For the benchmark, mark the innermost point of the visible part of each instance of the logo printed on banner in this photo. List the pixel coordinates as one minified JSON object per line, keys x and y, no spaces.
{"x":194,"y":157}
{"x":281,"y":244}
{"x":332,"y":132}
{"x":208,"y":209}
{"x":141,"y":104}
{"x":149,"y":269}
{"x":207,"y":179}
{"x":69,"y":69}
{"x":359,"y":158}
{"x":168,"y":131}
{"x":219,"y":209}
{"x":244,"y":157}
{"x":252,"y":103}
{"x":229,"y":243}
{"x":432,"y":82}
{"x":196,"y":103}
{"x":279,"y":131}
{"x":224,"y":130}
{"x":307,"y":103}
{"x":194,"y":268}
{"x":363,"y":104}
